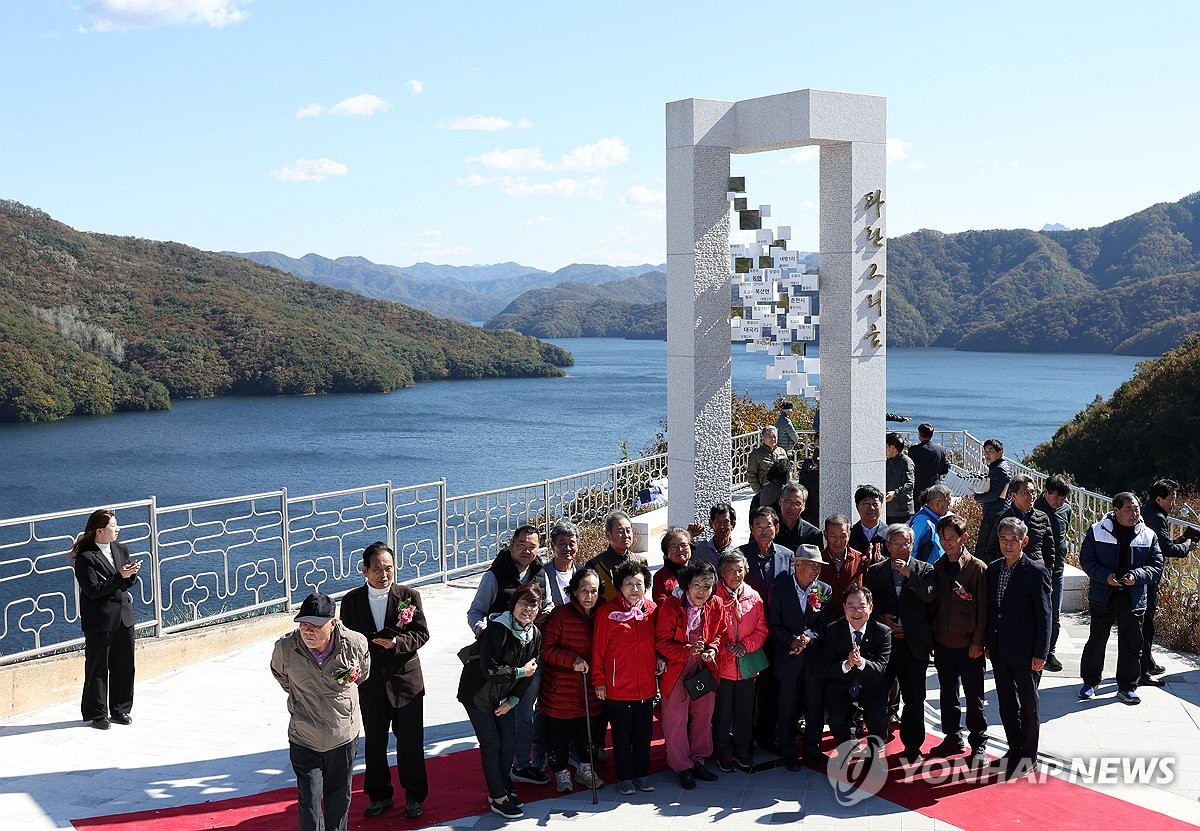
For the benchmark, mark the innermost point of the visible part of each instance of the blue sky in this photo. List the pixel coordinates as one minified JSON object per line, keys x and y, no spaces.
{"x":471,"y":132}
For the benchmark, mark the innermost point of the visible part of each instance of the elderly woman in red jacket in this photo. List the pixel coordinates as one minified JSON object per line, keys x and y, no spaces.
{"x":624,"y":664}
{"x":745,"y":633}
{"x":688,"y":634}
{"x":677,"y":551}
{"x":566,"y":653}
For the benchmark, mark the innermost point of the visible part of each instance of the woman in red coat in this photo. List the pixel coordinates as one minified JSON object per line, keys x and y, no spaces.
{"x":745,"y":632}
{"x":566,"y":651}
{"x":624,"y":664}
{"x":688,"y":635}
{"x":677,"y":550}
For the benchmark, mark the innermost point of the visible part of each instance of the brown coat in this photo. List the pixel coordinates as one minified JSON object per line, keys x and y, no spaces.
{"x":853,"y":573}
{"x":959,"y":623}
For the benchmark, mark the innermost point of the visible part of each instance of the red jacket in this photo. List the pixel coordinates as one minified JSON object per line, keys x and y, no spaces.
{"x":672,"y":642}
{"x":566,"y":636}
{"x":623,"y":656}
{"x":665,"y":582}
{"x":745,"y":623}
{"x":854,"y":571}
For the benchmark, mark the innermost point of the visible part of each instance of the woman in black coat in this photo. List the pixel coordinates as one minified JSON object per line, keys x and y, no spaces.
{"x":104,"y":573}
{"x":492,"y":686}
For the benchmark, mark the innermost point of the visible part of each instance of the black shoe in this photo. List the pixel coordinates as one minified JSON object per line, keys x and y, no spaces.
{"x":1155,"y":668}
{"x":687,"y":780}
{"x":515,"y":800}
{"x":978,"y":756}
{"x":949,"y":746}
{"x":911,"y":757}
{"x":121,"y":718}
{"x":703,"y":773}
{"x":727,"y":764}
{"x":1151,"y":681}
{"x":816,"y":760}
{"x":530,"y":776}
{"x":1053,"y":664}
{"x":745,"y":764}
{"x":792,"y":763}
{"x":101,"y":723}
{"x":413,"y":808}
{"x":377,"y":807}
{"x":506,"y":808}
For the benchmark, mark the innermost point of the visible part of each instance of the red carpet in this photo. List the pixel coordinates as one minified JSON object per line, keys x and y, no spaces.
{"x":457,"y":789}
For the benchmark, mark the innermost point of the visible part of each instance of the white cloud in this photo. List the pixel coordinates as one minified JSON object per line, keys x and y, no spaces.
{"x":805,"y":154}
{"x":537,"y":220}
{"x":309,"y":170}
{"x":115,"y":15}
{"x":488,"y":123}
{"x":897,"y":149}
{"x":524,"y":124}
{"x":308,"y":111}
{"x":607,"y":152}
{"x":520,"y":186}
{"x":440,"y":250}
{"x":365,"y":104}
{"x":516,"y":158}
{"x":416,"y":87}
{"x":433,"y":232}
{"x":638,"y":195}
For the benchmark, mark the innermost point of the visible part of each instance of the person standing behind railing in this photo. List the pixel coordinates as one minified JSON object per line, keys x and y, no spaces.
{"x":105,"y":572}
{"x":1056,"y":504}
{"x":1156,"y":514}
{"x":995,"y":499}
{"x":391,"y":617}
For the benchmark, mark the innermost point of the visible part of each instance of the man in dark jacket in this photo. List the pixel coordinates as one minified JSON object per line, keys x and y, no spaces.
{"x":392,"y":619}
{"x":1039,"y":535}
{"x":930,"y":464}
{"x":794,"y":530}
{"x":866,"y":535}
{"x":1018,"y":640}
{"x":1122,"y":559}
{"x":856,"y":655}
{"x":994,"y":500}
{"x":1056,"y":504}
{"x":1156,"y":514}
{"x":903,"y":588}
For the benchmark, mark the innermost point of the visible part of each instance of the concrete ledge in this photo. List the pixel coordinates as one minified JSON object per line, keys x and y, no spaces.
{"x":648,"y":529}
{"x":41,"y":682}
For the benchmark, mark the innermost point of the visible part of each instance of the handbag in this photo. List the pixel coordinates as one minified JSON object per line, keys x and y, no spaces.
{"x":700,"y":683}
{"x":752,"y":663}
{"x":469,"y":653}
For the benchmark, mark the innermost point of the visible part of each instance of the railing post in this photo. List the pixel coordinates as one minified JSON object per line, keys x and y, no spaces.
{"x":546,"y":506}
{"x":442,"y":520}
{"x":389,"y":500}
{"x":287,"y":551}
{"x":616,"y":506}
{"x":155,"y":574}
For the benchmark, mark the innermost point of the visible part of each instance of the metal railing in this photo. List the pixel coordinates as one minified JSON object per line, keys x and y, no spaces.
{"x":210,"y":561}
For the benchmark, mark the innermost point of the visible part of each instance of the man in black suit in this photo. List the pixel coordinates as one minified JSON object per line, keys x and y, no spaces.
{"x":797,"y":614}
{"x":390,"y":616}
{"x":1018,"y":640}
{"x":794,"y":530}
{"x":866,"y":535}
{"x":904,"y":589}
{"x":105,"y":573}
{"x":855,"y":659}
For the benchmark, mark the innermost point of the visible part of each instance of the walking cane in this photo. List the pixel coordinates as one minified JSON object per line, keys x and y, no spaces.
{"x":587,"y":718}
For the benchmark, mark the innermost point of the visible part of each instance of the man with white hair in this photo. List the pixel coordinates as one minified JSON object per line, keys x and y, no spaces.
{"x":762,"y":457}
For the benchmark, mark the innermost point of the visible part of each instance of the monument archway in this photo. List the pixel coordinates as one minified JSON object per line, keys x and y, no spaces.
{"x":701,"y":135}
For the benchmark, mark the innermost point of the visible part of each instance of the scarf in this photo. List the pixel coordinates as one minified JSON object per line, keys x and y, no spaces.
{"x":523,"y":634}
{"x":693,"y":620}
{"x":636,"y":612}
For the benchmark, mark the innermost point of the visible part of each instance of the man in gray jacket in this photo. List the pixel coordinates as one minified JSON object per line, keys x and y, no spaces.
{"x":318,"y":665}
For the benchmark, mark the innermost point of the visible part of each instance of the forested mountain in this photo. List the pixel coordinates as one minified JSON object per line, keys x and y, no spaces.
{"x":631,"y":308}
{"x":1131,"y":286}
{"x":465,"y":293}
{"x":91,"y":323}
{"x":1148,"y":429}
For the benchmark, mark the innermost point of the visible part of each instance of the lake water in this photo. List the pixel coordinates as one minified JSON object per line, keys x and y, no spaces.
{"x":488,"y":434}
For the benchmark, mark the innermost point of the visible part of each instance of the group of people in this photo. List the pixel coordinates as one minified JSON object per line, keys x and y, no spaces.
{"x":760,"y":645}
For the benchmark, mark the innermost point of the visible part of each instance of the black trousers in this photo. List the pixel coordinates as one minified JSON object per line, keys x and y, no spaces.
{"x":987,"y":530}
{"x":838,"y":704}
{"x":796,"y":695}
{"x":766,"y":708}
{"x":324,"y":777}
{"x":733,"y":718}
{"x":407,"y":723}
{"x":1129,"y":642}
{"x":107,"y":673}
{"x":1020,"y":713}
{"x":954,"y":666}
{"x":1147,"y":659}
{"x":909,"y":670}
{"x":632,"y":723}
{"x":564,"y":733}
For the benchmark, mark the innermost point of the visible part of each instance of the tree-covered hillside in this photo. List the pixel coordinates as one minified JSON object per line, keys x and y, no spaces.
{"x":1148,"y":429}
{"x":629,"y":308}
{"x":91,"y":323}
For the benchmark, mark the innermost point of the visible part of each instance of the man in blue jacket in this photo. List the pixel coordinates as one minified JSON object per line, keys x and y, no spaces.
{"x":1122,"y":559}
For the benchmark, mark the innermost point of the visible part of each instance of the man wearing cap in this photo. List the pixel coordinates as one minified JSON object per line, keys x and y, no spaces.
{"x":319,"y":665}
{"x":797,"y":614}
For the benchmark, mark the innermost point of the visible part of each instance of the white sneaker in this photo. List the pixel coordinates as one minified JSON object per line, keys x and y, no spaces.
{"x":587,"y":777}
{"x":562,"y":781}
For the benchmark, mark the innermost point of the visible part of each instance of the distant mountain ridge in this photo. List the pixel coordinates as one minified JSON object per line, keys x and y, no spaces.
{"x":92,"y":324}
{"x":631,"y":308}
{"x":466,"y":293}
